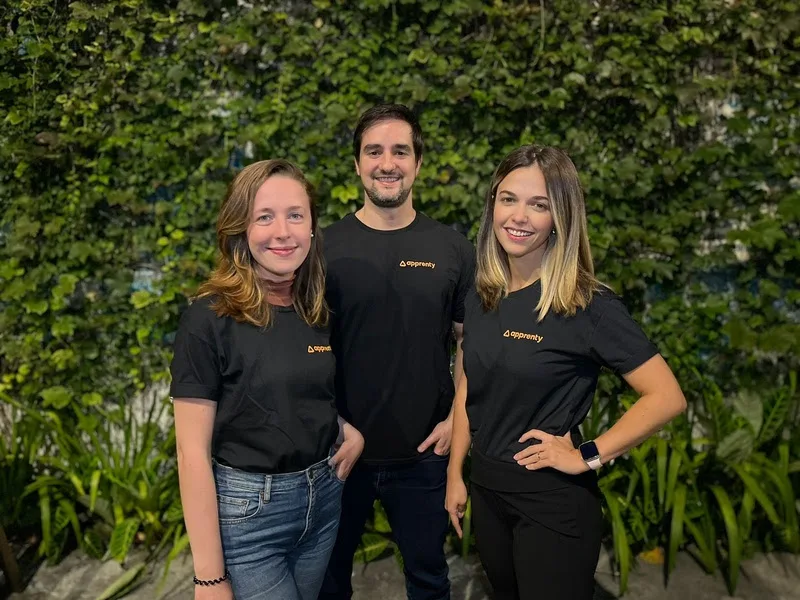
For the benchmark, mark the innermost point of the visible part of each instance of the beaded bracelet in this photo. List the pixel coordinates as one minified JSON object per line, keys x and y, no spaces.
{"x":212,"y":581}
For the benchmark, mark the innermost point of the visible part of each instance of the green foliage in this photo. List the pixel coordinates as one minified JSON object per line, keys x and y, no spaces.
{"x":20,"y":443}
{"x":124,"y":583}
{"x":121,"y":122}
{"x":376,"y":541}
{"x":111,"y":483}
{"x":724,"y":489}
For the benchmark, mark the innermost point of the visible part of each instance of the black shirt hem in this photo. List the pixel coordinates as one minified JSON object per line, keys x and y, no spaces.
{"x":388,"y":462}
{"x":188,"y":390}
{"x":501,"y":476}
{"x":637,"y":360}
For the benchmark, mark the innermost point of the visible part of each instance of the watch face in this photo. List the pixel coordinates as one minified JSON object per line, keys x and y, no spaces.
{"x":588,"y":450}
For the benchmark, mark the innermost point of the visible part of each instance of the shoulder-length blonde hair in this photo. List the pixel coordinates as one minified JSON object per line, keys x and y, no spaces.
{"x":239,"y":291}
{"x":567,"y":276}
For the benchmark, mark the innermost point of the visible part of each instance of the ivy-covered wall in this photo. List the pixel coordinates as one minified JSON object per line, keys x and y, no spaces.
{"x":121,"y":122}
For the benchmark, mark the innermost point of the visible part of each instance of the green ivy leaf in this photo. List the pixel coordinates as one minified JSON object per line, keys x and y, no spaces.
{"x":62,"y":358}
{"x":92,"y":399}
{"x":57,"y":397}
{"x":15,"y":117}
{"x":37,"y":307}
{"x":141,"y":299}
{"x":65,"y":286}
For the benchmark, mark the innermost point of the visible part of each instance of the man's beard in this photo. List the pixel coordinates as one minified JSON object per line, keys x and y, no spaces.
{"x":393,"y":201}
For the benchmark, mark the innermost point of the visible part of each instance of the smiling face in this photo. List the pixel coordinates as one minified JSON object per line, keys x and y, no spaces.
{"x":279,"y":234}
{"x":386,"y":163}
{"x":522,"y":219}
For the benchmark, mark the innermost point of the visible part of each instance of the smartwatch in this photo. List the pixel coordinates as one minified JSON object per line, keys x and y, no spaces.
{"x":590,"y":455}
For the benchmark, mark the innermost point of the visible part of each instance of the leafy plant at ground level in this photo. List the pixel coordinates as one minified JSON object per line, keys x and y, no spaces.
{"x":719,"y":484}
{"x":110,"y":483}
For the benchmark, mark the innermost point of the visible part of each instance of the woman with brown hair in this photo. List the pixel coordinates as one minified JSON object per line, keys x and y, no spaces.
{"x":537,"y":330}
{"x":252,"y":384}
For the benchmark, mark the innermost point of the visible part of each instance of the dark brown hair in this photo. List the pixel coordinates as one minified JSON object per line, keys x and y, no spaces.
{"x":388,"y":112}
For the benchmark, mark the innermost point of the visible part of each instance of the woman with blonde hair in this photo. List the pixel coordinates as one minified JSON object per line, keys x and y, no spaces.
{"x":252,"y":385}
{"x":537,"y":330}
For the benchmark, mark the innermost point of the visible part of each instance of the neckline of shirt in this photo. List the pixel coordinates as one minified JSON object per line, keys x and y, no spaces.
{"x":283,"y":309}
{"x":531,"y":286}
{"x":366,"y":227}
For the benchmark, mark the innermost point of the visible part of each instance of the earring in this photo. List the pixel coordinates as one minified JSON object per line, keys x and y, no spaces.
{"x":312,"y":234}
{"x":553,"y":232}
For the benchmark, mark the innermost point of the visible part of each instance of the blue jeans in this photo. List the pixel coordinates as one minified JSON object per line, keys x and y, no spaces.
{"x":278,"y":531}
{"x":413,"y":497}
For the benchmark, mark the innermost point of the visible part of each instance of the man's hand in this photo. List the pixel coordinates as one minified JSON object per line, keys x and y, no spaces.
{"x":347,"y":454}
{"x":440,"y":436}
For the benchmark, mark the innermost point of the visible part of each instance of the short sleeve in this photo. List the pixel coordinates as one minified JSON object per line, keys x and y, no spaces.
{"x":195,"y":366}
{"x":617,"y":341}
{"x":466,"y":280}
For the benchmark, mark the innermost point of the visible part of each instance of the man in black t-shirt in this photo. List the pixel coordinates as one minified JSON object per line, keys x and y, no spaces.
{"x":396,"y":286}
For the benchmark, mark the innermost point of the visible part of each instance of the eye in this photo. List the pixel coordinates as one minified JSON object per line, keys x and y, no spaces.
{"x":540,"y":206}
{"x":265,"y":218}
{"x":507,"y":200}
{"x":296,"y":216}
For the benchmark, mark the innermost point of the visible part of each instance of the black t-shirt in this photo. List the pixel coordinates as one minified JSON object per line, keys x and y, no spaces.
{"x":273,"y":387}
{"x":394,"y":296}
{"x":526,"y":375}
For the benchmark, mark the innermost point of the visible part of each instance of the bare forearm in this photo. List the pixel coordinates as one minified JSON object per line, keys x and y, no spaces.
{"x":459,"y":446}
{"x":643,"y":419}
{"x":458,"y":366}
{"x":199,"y":499}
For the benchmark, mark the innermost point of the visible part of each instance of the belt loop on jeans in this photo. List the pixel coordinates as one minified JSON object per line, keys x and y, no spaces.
{"x":267,"y":491}
{"x":315,"y":470}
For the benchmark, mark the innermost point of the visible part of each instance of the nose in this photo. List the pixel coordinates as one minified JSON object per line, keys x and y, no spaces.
{"x":387,"y":162}
{"x":520,"y":214}
{"x":281,"y":229}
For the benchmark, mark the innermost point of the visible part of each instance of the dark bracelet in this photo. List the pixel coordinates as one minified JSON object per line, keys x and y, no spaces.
{"x":212,"y":581}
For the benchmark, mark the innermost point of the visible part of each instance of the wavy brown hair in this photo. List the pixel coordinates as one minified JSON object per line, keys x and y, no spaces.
{"x":568,"y":280}
{"x":237,"y":289}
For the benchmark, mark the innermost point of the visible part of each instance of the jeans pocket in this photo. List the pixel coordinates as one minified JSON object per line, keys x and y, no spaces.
{"x":335,"y":475}
{"x":237,"y":507}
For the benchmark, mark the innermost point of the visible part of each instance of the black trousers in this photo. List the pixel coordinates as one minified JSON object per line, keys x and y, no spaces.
{"x":413,"y":497}
{"x":538,"y":545}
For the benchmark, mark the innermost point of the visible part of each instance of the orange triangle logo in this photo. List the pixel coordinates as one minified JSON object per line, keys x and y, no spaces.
{"x":310,"y":350}
{"x":507,"y":333}
{"x":402,"y":263}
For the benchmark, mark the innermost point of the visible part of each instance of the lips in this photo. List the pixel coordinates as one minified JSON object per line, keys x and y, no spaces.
{"x":517,"y":235}
{"x":387,"y":180}
{"x":288,"y":251}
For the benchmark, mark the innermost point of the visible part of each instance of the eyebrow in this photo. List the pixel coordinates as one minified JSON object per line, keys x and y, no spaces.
{"x":268,"y":209}
{"x":513,"y":195}
{"x":396,"y":147}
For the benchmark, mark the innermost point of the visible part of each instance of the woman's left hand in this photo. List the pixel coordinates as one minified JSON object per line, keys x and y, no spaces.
{"x":554,"y":451}
{"x":347,"y":454}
